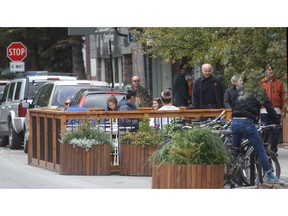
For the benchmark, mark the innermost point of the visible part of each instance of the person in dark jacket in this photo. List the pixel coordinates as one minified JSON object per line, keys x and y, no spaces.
{"x":128,"y":103}
{"x":180,"y":88}
{"x":207,"y":90}
{"x":229,"y":95}
{"x":245,"y":113}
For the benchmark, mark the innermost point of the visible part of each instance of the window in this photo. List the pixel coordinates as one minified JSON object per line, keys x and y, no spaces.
{"x":18,"y":90}
{"x":11,"y":92}
{"x":5,"y":93}
{"x":33,"y":88}
{"x":43,"y":95}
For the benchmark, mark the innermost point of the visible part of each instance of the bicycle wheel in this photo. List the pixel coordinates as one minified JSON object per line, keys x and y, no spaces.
{"x":246,"y":170}
{"x":272,"y":157}
{"x":232,"y":172}
{"x":259,"y":172}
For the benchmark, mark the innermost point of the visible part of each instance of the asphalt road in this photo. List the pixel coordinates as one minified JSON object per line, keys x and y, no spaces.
{"x":15,"y":173}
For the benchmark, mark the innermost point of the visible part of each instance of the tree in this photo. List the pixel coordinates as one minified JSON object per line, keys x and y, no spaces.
{"x":48,"y":49}
{"x":237,"y":50}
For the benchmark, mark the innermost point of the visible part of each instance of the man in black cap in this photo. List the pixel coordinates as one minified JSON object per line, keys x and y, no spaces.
{"x":180,"y":87}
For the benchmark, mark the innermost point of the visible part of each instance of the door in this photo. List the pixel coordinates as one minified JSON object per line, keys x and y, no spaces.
{"x":5,"y":107}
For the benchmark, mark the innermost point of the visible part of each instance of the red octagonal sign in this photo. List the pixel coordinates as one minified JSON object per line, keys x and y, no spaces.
{"x":16,"y":51}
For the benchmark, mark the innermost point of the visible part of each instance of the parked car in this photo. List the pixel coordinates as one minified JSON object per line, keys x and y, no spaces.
{"x":95,"y":99}
{"x":12,"y":113}
{"x":52,"y":95}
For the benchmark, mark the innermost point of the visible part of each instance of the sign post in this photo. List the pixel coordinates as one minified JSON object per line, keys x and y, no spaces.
{"x":17,"y":52}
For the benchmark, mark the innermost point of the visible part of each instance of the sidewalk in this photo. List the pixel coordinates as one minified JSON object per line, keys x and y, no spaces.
{"x":283,"y":160}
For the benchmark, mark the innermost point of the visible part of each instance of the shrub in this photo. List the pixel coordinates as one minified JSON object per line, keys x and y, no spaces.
{"x":145,"y":135}
{"x":85,"y":136}
{"x":194,"y":146}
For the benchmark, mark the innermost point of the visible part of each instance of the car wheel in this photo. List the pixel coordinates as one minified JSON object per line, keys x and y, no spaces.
{"x":3,"y":141}
{"x":15,"y":139}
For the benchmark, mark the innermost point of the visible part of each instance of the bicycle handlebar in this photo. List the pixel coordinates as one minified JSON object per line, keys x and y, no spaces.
{"x":263,"y":127}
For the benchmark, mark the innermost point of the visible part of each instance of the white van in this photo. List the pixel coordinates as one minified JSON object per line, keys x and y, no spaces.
{"x":12,"y":113}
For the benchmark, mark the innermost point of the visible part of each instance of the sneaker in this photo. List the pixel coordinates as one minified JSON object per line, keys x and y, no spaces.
{"x":274,"y":180}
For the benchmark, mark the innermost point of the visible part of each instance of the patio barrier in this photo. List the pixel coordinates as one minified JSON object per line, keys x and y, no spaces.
{"x":48,"y":126}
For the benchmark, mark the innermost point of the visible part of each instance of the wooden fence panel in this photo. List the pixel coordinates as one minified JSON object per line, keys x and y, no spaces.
{"x":44,"y":146}
{"x":176,"y":176}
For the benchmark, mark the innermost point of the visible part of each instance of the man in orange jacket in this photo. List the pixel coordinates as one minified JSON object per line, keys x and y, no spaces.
{"x":276,"y":93}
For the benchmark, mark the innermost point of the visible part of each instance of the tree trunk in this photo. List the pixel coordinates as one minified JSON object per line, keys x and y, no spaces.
{"x":34,"y":58}
{"x":77,"y":58}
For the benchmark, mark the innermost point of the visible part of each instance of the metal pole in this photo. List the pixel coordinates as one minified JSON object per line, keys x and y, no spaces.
{"x":111,"y":62}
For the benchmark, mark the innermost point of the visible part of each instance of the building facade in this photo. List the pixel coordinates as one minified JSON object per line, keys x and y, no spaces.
{"x":111,"y":56}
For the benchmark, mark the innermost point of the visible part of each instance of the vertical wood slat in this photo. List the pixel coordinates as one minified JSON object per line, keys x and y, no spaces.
{"x":187,"y":176}
{"x":78,"y":161}
{"x":134,"y":160}
{"x":46,"y":139}
{"x":30,"y":144}
{"x":38,"y":138}
{"x":54,"y":141}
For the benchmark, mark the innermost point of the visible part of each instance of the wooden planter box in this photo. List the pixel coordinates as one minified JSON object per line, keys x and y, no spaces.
{"x":187,"y":176}
{"x":134,"y":160}
{"x":78,"y":161}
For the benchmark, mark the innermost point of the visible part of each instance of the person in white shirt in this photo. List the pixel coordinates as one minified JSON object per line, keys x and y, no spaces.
{"x":166,"y":98}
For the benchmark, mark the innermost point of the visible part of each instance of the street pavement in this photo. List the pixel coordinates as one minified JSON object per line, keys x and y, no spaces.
{"x":33,"y":177}
{"x":283,"y":160}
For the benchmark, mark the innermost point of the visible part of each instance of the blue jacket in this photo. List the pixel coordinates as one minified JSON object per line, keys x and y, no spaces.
{"x":75,"y":108}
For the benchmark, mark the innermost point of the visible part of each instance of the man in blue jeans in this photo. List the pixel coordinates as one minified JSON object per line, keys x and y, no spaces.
{"x":244,"y":114}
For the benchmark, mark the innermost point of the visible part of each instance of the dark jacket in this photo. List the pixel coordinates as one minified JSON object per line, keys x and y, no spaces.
{"x":249,"y":106}
{"x":180,"y":90}
{"x":198,"y":95}
{"x":229,"y":97}
{"x":127,"y":122}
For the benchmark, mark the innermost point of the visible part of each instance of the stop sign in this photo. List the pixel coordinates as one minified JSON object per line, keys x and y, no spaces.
{"x":16,"y":51}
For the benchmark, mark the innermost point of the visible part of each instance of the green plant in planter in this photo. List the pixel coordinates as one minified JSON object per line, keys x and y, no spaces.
{"x":85,"y":136}
{"x":195,"y":146}
{"x":145,"y":135}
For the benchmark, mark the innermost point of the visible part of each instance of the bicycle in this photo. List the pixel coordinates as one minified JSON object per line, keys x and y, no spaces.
{"x":244,"y":167}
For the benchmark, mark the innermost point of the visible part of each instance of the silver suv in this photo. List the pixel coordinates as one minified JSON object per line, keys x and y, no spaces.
{"x":12,"y":113}
{"x":52,"y":95}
